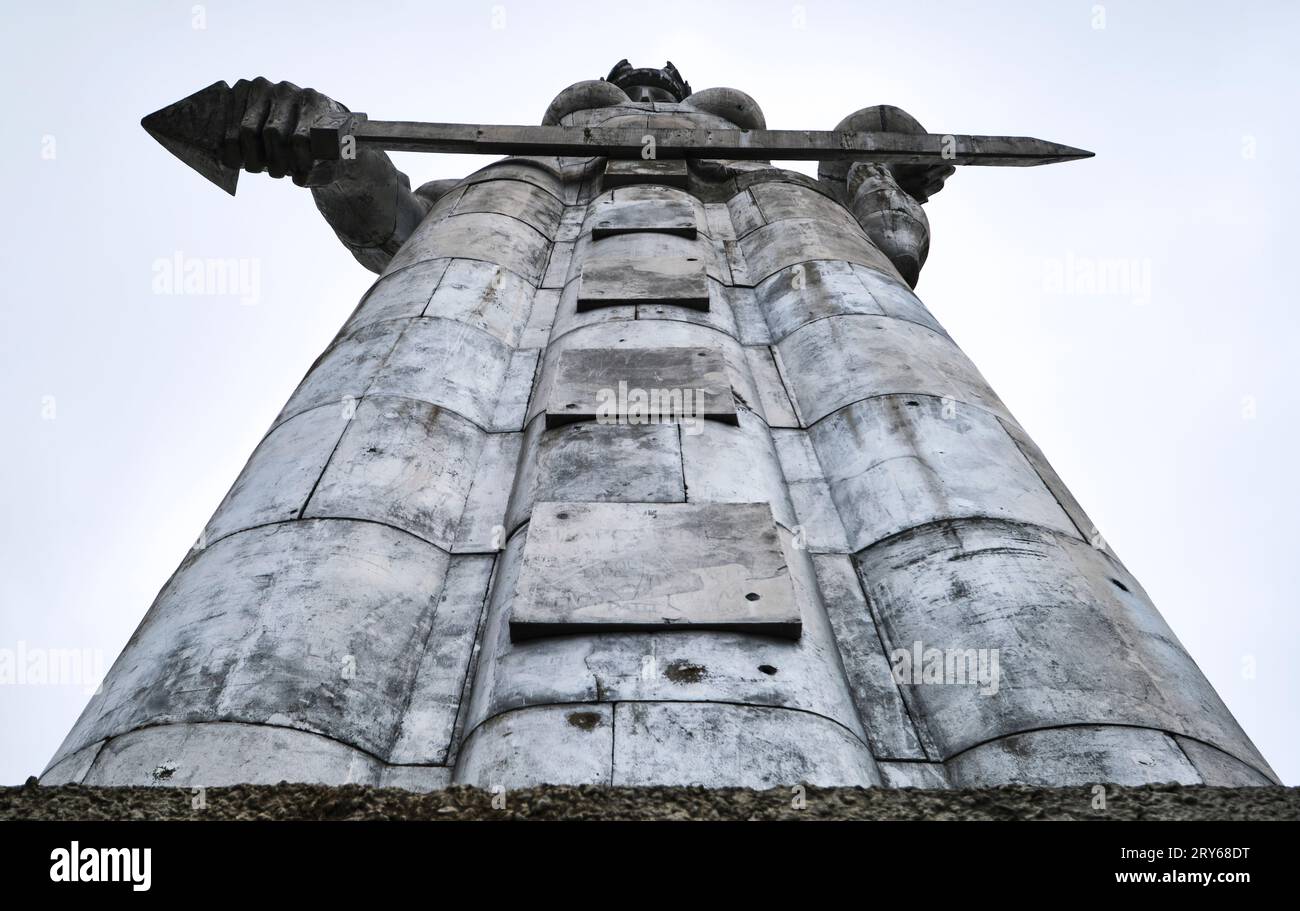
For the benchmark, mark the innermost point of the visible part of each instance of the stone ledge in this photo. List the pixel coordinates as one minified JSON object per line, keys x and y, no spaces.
{"x":354,"y":802}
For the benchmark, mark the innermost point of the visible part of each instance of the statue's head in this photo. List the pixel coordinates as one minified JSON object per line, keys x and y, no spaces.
{"x":649,"y":83}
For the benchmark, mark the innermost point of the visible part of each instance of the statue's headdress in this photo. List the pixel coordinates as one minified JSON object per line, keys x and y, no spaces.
{"x":667,"y":78}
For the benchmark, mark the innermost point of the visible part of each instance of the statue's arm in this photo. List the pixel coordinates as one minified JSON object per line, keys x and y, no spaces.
{"x":366,"y":200}
{"x":886,"y":199}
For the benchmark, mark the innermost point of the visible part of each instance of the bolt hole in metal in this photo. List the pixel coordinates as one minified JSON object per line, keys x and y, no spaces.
{"x":752,"y":596}
{"x":1118,"y":584}
{"x":767,"y":669}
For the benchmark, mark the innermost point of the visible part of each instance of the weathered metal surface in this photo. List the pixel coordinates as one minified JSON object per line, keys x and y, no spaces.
{"x":402,"y":462}
{"x":592,"y":567}
{"x":516,"y":388}
{"x":550,"y":744}
{"x":425,"y":734}
{"x":535,"y":207}
{"x":345,"y":370}
{"x":895,"y":462}
{"x":482,"y":522}
{"x":590,"y":462}
{"x":840,"y":360}
{"x":1218,"y":769}
{"x":223,"y":754}
{"x":353,"y":649}
{"x":483,"y":295}
{"x":449,"y":364}
{"x":623,"y":172}
{"x":72,"y":769}
{"x":928,"y":775}
{"x":640,"y":386}
{"x":880,"y":705}
{"x":817,"y":523}
{"x":646,"y":245}
{"x":488,"y":236}
{"x":658,"y":209}
{"x":314,"y":625}
{"x":677,"y":664}
{"x":806,"y":292}
{"x":714,"y":313}
{"x":623,"y":337}
{"x":1018,"y":593}
{"x":781,"y":244}
{"x":714,"y":745}
{"x":722,"y":463}
{"x":281,"y":473}
{"x":773,"y":400}
{"x":644,"y":280}
{"x":1066,"y":757}
{"x":398,"y":295}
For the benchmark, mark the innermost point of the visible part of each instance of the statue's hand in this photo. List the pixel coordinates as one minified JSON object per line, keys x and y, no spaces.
{"x":268,"y":127}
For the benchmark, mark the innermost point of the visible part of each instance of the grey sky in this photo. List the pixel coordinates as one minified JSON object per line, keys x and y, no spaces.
{"x":1164,"y":394}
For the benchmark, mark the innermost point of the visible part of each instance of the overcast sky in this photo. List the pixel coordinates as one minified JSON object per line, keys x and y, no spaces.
{"x":1165,"y":397}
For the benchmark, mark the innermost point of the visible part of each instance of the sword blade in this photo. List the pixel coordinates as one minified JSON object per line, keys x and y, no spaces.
{"x":648,"y":142}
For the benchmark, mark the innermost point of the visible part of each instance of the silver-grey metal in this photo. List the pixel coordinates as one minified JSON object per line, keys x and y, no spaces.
{"x":446,"y":563}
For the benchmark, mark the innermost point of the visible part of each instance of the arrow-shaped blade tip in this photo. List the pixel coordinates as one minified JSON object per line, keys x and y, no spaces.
{"x":191,"y":129}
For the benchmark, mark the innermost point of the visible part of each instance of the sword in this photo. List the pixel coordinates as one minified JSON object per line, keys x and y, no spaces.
{"x":191,"y":129}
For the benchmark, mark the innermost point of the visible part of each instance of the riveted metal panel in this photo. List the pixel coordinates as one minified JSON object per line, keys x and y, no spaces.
{"x":591,"y":567}
{"x":640,"y":386}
